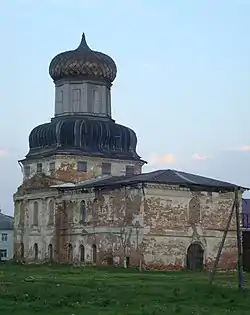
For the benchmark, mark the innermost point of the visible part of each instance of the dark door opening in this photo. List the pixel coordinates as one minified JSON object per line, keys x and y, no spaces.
{"x":82,"y":253}
{"x":94,"y":253}
{"x":50,"y":251}
{"x":127,"y":262}
{"x":195,"y":254}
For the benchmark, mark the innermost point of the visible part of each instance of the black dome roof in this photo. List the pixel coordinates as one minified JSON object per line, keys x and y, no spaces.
{"x":85,"y":136}
{"x":83,"y":62}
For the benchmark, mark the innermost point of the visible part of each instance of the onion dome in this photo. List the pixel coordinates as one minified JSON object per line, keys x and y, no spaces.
{"x":81,"y":63}
{"x":83,"y":136}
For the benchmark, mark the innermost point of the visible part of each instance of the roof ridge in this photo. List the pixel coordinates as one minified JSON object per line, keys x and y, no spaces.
{"x":184,"y":177}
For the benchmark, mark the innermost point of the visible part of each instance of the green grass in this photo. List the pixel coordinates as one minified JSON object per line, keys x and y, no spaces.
{"x":63,"y":290}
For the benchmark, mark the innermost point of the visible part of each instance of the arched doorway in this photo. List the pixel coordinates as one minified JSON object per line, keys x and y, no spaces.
{"x":35,"y":251}
{"x":82,"y":253}
{"x":50,"y":252}
{"x":21,"y":251}
{"x":94,"y":254}
{"x":70,"y":253}
{"x":195,"y":254}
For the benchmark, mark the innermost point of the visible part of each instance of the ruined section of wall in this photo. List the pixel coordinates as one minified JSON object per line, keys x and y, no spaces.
{"x":216,"y":209}
{"x":153,"y":226}
{"x":175,"y":218}
{"x":228,"y":258}
{"x":109,"y":231}
{"x":111,"y":227}
{"x":173,"y":209}
{"x":170,"y":252}
{"x":165,"y":209}
{"x":32,"y":205}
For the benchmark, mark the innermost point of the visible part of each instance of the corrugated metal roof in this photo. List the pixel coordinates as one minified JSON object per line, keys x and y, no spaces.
{"x":94,"y":180}
{"x":6,"y":222}
{"x":168,"y":177}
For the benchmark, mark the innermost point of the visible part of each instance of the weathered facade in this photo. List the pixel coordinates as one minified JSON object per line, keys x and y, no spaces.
{"x":84,"y":199}
{"x":153,"y":225}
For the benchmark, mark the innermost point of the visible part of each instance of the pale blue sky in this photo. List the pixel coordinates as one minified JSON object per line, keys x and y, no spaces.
{"x":182,"y":85}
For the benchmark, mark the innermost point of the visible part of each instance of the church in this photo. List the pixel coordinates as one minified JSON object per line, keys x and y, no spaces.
{"x":85,"y":200}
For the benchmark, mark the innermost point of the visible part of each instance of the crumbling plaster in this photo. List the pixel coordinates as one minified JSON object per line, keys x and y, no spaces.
{"x":66,"y":167}
{"x":153,"y":225}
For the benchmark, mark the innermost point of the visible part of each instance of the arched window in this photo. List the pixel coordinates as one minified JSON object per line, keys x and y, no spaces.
{"x":194,"y":211}
{"x":50,"y":251}
{"x":111,"y":207}
{"x":95,"y":208}
{"x":21,"y":214}
{"x":94,"y":253}
{"x":35,"y":251}
{"x":21,"y":250}
{"x":83,"y":211}
{"x":82,"y":253}
{"x":35,"y":213}
{"x":70,"y":212}
{"x":70,"y":253}
{"x":67,"y":134}
{"x":51,"y":212}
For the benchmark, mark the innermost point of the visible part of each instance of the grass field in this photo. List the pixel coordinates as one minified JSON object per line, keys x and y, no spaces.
{"x":28,"y":290}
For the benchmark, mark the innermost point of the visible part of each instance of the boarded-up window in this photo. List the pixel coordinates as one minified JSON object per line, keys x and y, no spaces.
{"x":35,"y":213}
{"x":106,"y":168}
{"x":52,"y":166}
{"x":82,"y":166}
{"x":51,"y":212}
{"x":194,"y":211}
{"x":27,"y":170}
{"x":82,"y":253}
{"x":130,"y":170}
{"x":35,"y":251}
{"x":39,"y":167}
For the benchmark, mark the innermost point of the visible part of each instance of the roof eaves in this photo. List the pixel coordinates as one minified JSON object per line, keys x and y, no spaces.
{"x":191,"y":185}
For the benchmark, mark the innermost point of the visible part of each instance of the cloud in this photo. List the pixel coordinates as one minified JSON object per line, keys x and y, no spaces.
{"x":243,"y":148}
{"x":200,"y":157}
{"x":162,"y":159}
{"x":3,"y":153}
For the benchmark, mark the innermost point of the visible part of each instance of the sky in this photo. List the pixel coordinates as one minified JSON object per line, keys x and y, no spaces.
{"x":182,"y":84}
